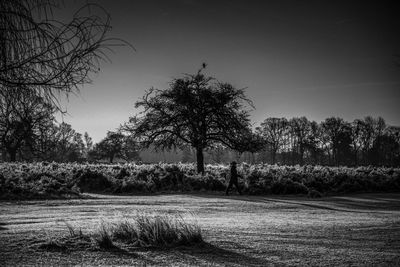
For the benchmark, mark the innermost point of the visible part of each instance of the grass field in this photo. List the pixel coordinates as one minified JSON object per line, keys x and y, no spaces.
{"x":362,"y":229}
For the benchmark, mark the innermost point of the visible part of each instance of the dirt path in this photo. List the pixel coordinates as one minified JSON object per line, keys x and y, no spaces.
{"x":239,"y":230}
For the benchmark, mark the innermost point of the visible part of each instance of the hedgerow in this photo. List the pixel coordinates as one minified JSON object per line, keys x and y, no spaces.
{"x":68,"y":180}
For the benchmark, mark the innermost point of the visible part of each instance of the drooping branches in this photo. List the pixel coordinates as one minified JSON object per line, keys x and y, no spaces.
{"x":49,"y":56}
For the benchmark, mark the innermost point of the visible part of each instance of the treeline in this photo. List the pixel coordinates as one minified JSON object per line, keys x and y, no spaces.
{"x":29,"y":132}
{"x":333,"y":142}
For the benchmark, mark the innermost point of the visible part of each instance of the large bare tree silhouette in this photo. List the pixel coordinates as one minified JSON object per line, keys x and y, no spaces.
{"x":195,"y":110}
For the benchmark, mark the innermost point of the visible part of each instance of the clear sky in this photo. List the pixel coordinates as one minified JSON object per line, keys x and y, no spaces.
{"x":296,"y":58}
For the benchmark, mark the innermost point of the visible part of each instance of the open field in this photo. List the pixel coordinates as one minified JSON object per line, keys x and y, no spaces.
{"x":361,"y":229}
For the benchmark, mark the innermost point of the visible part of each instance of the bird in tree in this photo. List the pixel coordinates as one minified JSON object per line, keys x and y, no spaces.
{"x":195,"y":110}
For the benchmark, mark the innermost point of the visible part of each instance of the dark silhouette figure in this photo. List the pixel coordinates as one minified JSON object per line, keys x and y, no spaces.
{"x":233,"y":179}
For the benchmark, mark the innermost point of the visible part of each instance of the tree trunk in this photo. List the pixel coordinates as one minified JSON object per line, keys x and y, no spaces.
{"x":200,"y":160}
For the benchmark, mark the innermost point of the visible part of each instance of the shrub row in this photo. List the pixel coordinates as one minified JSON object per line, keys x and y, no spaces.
{"x":55,"y":180}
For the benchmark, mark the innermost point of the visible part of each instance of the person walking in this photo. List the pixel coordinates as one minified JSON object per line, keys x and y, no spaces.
{"x":233,"y":179}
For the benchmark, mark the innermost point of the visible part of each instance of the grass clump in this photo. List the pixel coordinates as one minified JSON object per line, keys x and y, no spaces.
{"x":72,"y":231}
{"x":103,"y":239}
{"x":144,"y":230}
{"x":157,"y":231}
{"x":52,"y":244}
{"x":77,"y":240}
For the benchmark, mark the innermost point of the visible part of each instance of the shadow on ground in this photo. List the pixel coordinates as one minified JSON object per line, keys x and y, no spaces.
{"x":362,"y":203}
{"x":2,"y":226}
{"x":211,"y":254}
{"x":130,"y":254}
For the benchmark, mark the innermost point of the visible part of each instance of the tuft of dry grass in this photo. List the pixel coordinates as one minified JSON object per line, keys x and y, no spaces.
{"x":103,"y":238}
{"x":72,"y":231}
{"x":144,"y":230}
{"x":157,"y":231}
{"x":76,"y":239}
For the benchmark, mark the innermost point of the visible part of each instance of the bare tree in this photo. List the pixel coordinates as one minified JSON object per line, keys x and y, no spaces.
{"x":338,"y":136}
{"x":195,"y":110}
{"x":41,"y":53}
{"x":273,"y":130}
{"x":22,"y":114}
{"x":314,"y":142}
{"x":393,"y":146}
{"x":300,"y":128}
{"x":110,"y":147}
{"x":356,"y":137}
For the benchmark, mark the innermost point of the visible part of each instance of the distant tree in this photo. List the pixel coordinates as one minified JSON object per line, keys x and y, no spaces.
{"x":300,"y":128}
{"x":338,"y":136}
{"x":88,"y":144}
{"x":110,"y":147}
{"x":385,"y":151}
{"x":366,"y":137}
{"x":130,"y":149}
{"x":393,"y":158}
{"x":44,"y":147}
{"x":379,"y":130}
{"x":116,"y":145}
{"x":380,"y":126}
{"x":395,"y":132}
{"x":69,"y":146}
{"x":356,"y":138}
{"x":22,"y":115}
{"x":250,"y":142}
{"x":195,"y":110}
{"x":88,"y":141}
{"x":46,"y":55}
{"x":273,"y":131}
{"x":314,"y":142}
